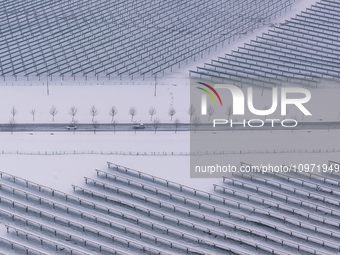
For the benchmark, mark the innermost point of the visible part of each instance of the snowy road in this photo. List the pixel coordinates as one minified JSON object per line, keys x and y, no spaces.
{"x":44,"y":127}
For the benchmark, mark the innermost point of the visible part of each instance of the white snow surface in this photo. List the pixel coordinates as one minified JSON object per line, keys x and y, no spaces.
{"x":324,"y":104}
{"x":103,"y":97}
{"x":79,"y":154}
{"x":72,"y":156}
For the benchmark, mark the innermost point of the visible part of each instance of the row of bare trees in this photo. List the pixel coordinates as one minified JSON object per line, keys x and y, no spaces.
{"x":94,"y":112}
{"x":132,"y":111}
{"x":156,"y":123}
{"x":152,"y":112}
{"x":113,"y":112}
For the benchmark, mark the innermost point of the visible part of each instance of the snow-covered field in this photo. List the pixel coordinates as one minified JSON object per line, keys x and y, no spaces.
{"x":61,"y":159}
{"x":103,"y":97}
{"x":324,"y":104}
{"x":69,"y":156}
{"x":63,"y":169}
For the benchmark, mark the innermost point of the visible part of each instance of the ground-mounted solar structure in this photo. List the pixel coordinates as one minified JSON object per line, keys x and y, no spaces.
{"x":303,"y":49}
{"x":111,"y":38}
{"x":124,"y":211}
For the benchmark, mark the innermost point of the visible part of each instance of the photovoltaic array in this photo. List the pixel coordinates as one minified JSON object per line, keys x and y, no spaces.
{"x":110,"y":38}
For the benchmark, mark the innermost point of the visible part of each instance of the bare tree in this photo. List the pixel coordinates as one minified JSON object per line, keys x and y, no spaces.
{"x":229,"y":111}
{"x":211,"y":111}
{"x":113,"y":112}
{"x":156,"y":123}
{"x":152,"y":112}
{"x":171,"y":112}
{"x":114,"y":124}
{"x":93,"y":112}
{"x":33,"y":113}
{"x":338,"y":115}
{"x":132,"y":112}
{"x":12,"y":124}
{"x":73,"y":111}
{"x":191,"y":111}
{"x":53,"y":112}
{"x":95,"y":126}
{"x":177,"y":122}
{"x":14,"y":112}
{"x":196,"y":122}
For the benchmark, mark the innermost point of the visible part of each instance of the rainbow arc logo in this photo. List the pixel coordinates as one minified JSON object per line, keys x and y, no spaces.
{"x":209,"y":93}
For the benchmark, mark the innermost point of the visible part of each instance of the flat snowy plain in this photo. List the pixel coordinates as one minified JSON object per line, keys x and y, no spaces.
{"x":72,"y":152}
{"x":60,"y":171}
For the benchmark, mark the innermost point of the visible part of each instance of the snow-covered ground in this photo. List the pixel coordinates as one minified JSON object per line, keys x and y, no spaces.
{"x":26,"y":98}
{"x":58,"y":160}
{"x":65,"y":157}
{"x":65,"y":164}
{"x":324,"y":104}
